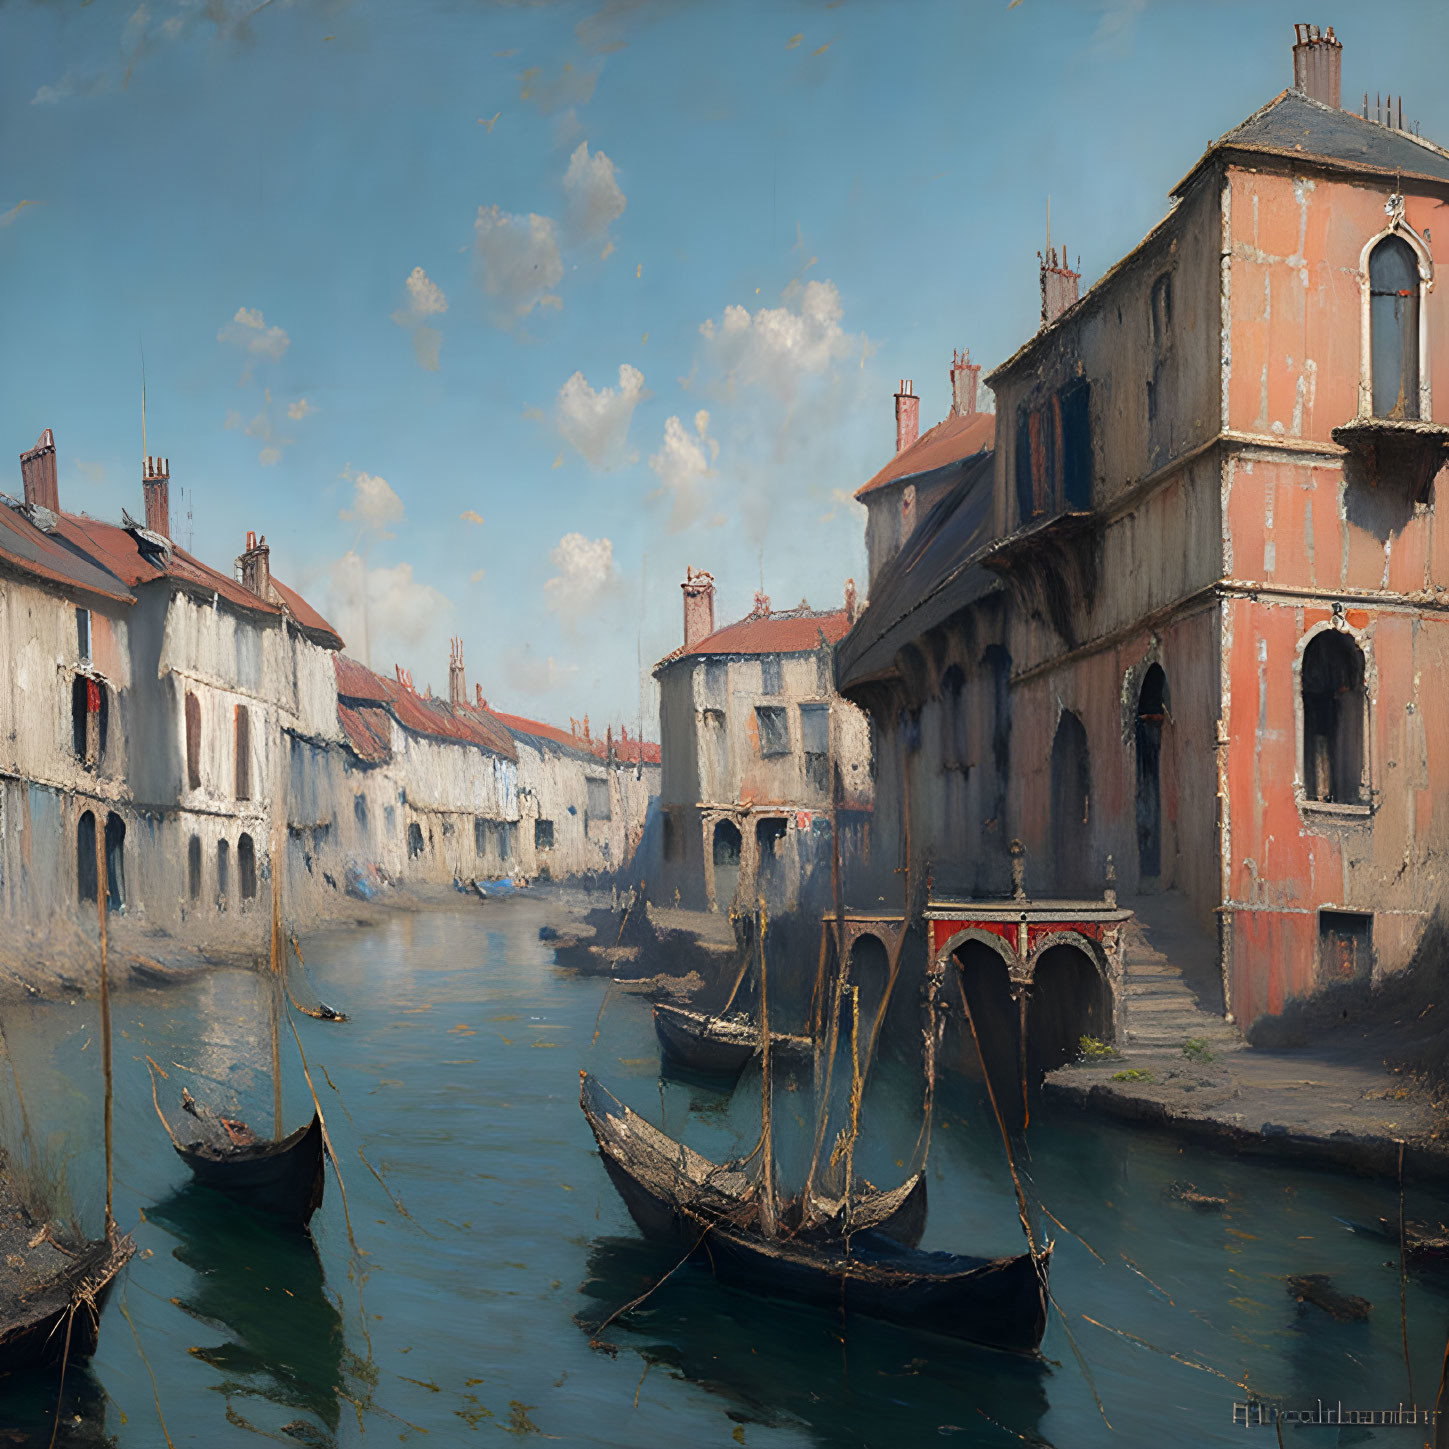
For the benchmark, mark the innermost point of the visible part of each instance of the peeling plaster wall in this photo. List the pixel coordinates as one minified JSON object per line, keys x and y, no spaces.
{"x":711,"y":741}
{"x":1310,"y":542}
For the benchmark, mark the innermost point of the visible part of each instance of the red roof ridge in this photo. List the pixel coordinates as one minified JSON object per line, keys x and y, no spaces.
{"x":958,"y":436}
{"x":787,"y":631}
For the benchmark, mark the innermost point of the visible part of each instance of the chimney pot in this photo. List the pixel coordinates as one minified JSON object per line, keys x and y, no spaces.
{"x":965,"y":377}
{"x":698,"y":589}
{"x":256,"y":566}
{"x":1058,"y":285}
{"x":37,"y":471}
{"x":908,"y":415}
{"x":1318,"y":64}
{"x":457,"y":685}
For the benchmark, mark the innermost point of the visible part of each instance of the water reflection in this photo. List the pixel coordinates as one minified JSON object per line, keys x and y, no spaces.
{"x":263,"y":1285}
{"x":29,"y":1404}
{"x":783,"y":1366}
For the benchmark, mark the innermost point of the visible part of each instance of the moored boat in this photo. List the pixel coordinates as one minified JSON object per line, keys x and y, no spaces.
{"x":718,"y":1046}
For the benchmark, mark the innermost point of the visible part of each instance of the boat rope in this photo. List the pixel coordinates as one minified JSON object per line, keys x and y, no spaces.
{"x":599,"y":1019}
{"x":64,"y":1359}
{"x":845,"y":1143}
{"x":739,"y":981}
{"x":822,"y":1106}
{"x":1441,"y":1401}
{"x":153,"y":1069}
{"x":321,"y":1012}
{"x":326,"y":1140}
{"x":1168,"y":1353}
{"x":768,"y":1219}
{"x":155,"y":1394}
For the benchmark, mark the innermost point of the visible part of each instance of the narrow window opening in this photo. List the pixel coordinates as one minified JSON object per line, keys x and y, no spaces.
{"x":243,"y":752}
{"x":543,"y":834}
{"x":193,"y":867}
{"x":193,"y":742}
{"x":115,"y":861}
{"x":1394,"y":329}
{"x":223,"y":872}
{"x":1334,"y":703}
{"x":1345,"y":946}
{"x":246,"y":867}
{"x":600,"y":807}
{"x":774,"y":729}
{"x":85,"y":858}
{"x":415,"y":840}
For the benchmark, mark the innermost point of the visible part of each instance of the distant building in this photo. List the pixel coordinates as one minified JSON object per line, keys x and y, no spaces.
{"x":761,"y":756}
{"x":1192,"y":618}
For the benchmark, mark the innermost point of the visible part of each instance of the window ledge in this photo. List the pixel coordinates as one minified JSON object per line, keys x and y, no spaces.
{"x":1340,"y":811}
{"x":1409,"y":450}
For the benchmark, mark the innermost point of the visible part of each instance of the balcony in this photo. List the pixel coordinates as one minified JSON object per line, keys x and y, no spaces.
{"x":1051,"y":566}
{"x":1396,"y":453}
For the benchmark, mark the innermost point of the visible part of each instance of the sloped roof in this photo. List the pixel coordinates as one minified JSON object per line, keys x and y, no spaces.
{"x":792,"y":631}
{"x":959,"y":436}
{"x":360,"y":689}
{"x":930,"y":579}
{"x":536,"y":731}
{"x":368,"y":730}
{"x":53,"y":558}
{"x":1294,"y":125}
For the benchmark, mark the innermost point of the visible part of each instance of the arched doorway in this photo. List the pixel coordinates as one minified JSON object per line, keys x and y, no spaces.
{"x":415,"y":839}
{"x":770,"y":859}
{"x":868,"y":969}
{"x":1334,"y":705}
{"x":246,"y":866}
{"x":1151,"y":715}
{"x":1071,"y":806}
{"x":986,"y":982}
{"x":115,"y":861}
{"x":1068,"y":1001}
{"x":725,"y":852}
{"x":85,"y":858}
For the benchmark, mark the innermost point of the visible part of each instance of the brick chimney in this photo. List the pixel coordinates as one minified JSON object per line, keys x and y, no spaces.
{"x":698,"y":589}
{"x":156,"y":492}
{"x":850,"y":614}
{"x":965,"y":377}
{"x":37,"y":469}
{"x":457,"y":687}
{"x":1058,"y":285}
{"x":908,"y":415}
{"x":1318,"y":64}
{"x":255,"y":567}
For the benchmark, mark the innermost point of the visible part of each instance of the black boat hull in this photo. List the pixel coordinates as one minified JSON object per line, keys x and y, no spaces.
{"x":703,"y":1044}
{"x":34,"y":1333}
{"x":283,"y":1179}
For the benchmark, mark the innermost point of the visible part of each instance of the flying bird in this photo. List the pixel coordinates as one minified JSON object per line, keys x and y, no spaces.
{"x":488,"y":125}
{"x":8,"y":216}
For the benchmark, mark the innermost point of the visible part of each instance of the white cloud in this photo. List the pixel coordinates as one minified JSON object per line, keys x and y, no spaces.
{"x":683,"y":463}
{"x":425,"y":299}
{"x":249,"y":331}
{"x":595,"y":421}
{"x":375,"y":505}
{"x":471,"y":515}
{"x":269,"y":456}
{"x":384,"y":614}
{"x":585,"y":576}
{"x":775,"y":346}
{"x":595,"y":199}
{"x":300,"y":409}
{"x":518,"y":261}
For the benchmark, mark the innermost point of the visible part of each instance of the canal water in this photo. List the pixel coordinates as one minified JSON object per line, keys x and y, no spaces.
{"x":487,"y":1233}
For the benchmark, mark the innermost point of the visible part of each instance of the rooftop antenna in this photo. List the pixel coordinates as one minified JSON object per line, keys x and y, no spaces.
{"x":1049,"y":226}
{"x":143,"y":399}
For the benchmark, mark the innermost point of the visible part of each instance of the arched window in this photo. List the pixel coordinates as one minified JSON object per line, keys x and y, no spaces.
{"x":1394,"y":328}
{"x":223,"y":872}
{"x":1151,"y":714}
{"x":115,"y":861}
{"x":85,"y":857}
{"x":193,"y":867}
{"x":953,"y":718}
{"x":1071,"y":805}
{"x":1334,"y":704}
{"x":246,"y":867}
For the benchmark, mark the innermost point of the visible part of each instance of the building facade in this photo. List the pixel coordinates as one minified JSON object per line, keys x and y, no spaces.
{"x":762,"y":758}
{"x":1205,"y":590}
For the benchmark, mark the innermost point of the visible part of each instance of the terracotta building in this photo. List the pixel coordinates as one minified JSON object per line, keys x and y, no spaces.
{"x":1192,"y":615}
{"x":760,"y":753}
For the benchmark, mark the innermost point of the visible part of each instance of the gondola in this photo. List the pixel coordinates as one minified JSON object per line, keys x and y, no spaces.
{"x":670,"y":1189}
{"x":867,"y":1264}
{"x":283,"y":1176}
{"x":717,"y":1046}
{"x":51,"y":1295}
{"x":283,"y":1179}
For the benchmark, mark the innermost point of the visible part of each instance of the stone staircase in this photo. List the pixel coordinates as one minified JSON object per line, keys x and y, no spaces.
{"x":1173,"y":987}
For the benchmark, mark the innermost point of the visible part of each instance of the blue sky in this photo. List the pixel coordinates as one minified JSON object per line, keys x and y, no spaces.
{"x":493,"y":317}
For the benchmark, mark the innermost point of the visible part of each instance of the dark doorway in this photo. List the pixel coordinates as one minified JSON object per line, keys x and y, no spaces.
{"x":223,"y":873}
{"x":1071,"y":807}
{"x":193,"y":868}
{"x":85,"y":857}
{"x":726,"y":855}
{"x":997,"y":1018}
{"x":415,"y":839}
{"x":869,"y":972}
{"x":1151,"y":715}
{"x":1333,"y":718}
{"x":1345,"y":947}
{"x":1068,"y":1001}
{"x":246,"y":867}
{"x":115,"y":861}
{"x":770,"y":853}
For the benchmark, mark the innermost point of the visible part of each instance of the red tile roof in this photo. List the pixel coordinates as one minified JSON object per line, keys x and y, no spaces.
{"x":117,"y":550}
{"x":960,"y":436}
{"x":796,"y":631}
{"x":524,"y":726}
{"x":47,"y":556}
{"x":436,"y":718}
{"x":368,"y":731}
{"x":631,"y":751}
